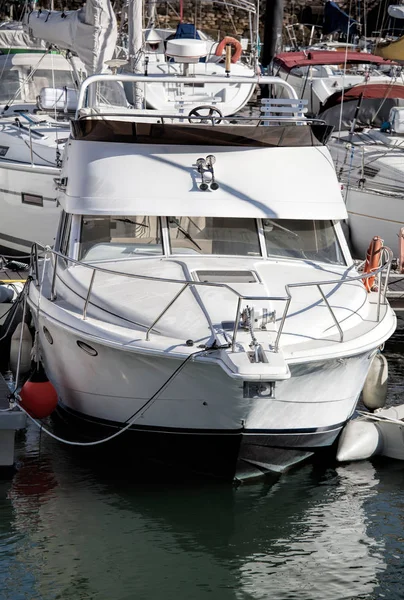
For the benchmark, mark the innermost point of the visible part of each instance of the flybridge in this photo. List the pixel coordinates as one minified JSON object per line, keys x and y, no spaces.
{"x":100,"y":120}
{"x":125,"y":147}
{"x":97,"y":90}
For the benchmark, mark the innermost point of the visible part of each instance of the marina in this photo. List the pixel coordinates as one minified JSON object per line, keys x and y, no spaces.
{"x":201,"y":300}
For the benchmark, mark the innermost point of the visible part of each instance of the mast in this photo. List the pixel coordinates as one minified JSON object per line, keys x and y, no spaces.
{"x":135,"y":44}
{"x":151,"y":13}
{"x":135,"y":32}
{"x":272,"y":31}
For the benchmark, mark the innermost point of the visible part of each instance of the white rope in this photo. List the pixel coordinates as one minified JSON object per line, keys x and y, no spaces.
{"x":139,"y":413}
{"x":380,"y":418}
{"x":68,"y":442}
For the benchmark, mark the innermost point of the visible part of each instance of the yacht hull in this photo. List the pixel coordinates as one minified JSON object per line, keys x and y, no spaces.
{"x":232,"y":455}
{"x":202,"y":418}
{"x":371,"y":213}
{"x":28,"y":208}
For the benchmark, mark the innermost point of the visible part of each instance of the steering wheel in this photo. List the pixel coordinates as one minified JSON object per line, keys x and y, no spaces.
{"x":210,"y":117}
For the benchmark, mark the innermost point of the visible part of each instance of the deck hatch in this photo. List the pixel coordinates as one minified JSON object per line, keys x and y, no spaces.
{"x":227,"y":276}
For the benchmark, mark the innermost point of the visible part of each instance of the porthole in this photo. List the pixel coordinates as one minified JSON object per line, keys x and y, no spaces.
{"x":48,"y":336}
{"x":91,"y":351}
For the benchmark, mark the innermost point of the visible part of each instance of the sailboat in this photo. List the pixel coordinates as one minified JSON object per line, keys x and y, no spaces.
{"x":366,"y":147}
{"x":31,"y":139}
{"x":37,"y":99}
{"x":392,"y":49}
{"x":188,"y":52}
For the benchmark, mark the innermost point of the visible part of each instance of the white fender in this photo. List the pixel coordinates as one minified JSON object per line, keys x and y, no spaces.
{"x":26,"y":347}
{"x":6,"y":294}
{"x":360,"y":439}
{"x":375,"y":389}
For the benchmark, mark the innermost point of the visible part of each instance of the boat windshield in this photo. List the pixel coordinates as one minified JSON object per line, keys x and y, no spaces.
{"x":214,"y":235}
{"x":47,"y":78}
{"x":307,"y":240}
{"x":310,"y":240}
{"x":12,"y":83}
{"x":9,"y":85}
{"x":108,"y":237}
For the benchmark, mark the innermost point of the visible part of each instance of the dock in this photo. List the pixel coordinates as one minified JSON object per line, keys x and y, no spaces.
{"x":395,"y":291}
{"x":11,"y":418}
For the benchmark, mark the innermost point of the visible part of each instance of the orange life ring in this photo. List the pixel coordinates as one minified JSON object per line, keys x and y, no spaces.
{"x":235,"y":43}
{"x":372,"y":261}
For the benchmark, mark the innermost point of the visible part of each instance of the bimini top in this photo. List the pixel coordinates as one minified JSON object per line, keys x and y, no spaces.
{"x":380,"y":91}
{"x":290,"y":60}
{"x":367,"y":105}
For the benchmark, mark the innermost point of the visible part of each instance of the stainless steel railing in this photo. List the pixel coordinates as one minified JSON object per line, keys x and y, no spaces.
{"x":86,"y":97}
{"x":386,"y":258}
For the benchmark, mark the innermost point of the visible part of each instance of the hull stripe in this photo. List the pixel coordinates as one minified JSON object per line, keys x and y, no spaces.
{"x":3,"y":191}
{"x":14,"y":240}
{"x":184,"y":430}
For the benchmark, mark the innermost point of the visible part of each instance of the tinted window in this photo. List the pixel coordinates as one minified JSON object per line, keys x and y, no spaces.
{"x":312,"y":240}
{"x":214,"y":235}
{"x":119,"y":237}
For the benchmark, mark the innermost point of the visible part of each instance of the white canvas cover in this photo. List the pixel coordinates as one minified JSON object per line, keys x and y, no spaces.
{"x":13,"y":36}
{"x":397,"y":12}
{"x":396,"y":119}
{"x":90,"y":32}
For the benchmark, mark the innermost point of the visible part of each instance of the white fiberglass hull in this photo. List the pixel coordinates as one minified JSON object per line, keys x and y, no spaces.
{"x":28,"y":208}
{"x":371,"y":213}
{"x":202,"y":407}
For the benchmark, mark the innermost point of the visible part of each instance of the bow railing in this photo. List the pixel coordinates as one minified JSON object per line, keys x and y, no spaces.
{"x":48,"y":253}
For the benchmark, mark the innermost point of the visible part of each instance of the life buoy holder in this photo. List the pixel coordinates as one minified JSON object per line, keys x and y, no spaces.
{"x":235,"y":43}
{"x":372,"y":261}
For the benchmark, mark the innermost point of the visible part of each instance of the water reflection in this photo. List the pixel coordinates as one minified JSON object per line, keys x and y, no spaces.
{"x":325,"y":550}
{"x":69,"y":530}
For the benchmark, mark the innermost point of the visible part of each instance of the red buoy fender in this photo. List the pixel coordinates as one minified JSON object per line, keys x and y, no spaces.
{"x":235,"y":43}
{"x":38,"y":396}
{"x":372,"y":261}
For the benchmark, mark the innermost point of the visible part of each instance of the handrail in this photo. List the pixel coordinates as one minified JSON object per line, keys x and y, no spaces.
{"x":148,"y":114}
{"x":254,"y":80}
{"x":387,"y":255}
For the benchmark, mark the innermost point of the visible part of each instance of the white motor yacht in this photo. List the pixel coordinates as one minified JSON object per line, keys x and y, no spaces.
{"x":201,"y":299}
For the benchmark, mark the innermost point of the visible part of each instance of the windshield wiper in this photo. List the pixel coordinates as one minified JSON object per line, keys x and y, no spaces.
{"x":126,"y":220}
{"x":185,"y":233}
{"x":275,"y":224}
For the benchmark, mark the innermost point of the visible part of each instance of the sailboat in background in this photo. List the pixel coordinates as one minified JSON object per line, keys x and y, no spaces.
{"x":393,"y":49}
{"x":189,"y":52}
{"x":368,"y":150}
{"x":40,"y":95}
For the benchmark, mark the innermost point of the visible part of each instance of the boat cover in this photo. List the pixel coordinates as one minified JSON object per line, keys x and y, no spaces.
{"x":14,"y":39}
{"x":289,"y":60}
{"x":396,"y":11}
{"x":90,"y":32}
{"x":377,"y":101}
{"x":335,"y":19}
{"x":391,"y":50}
